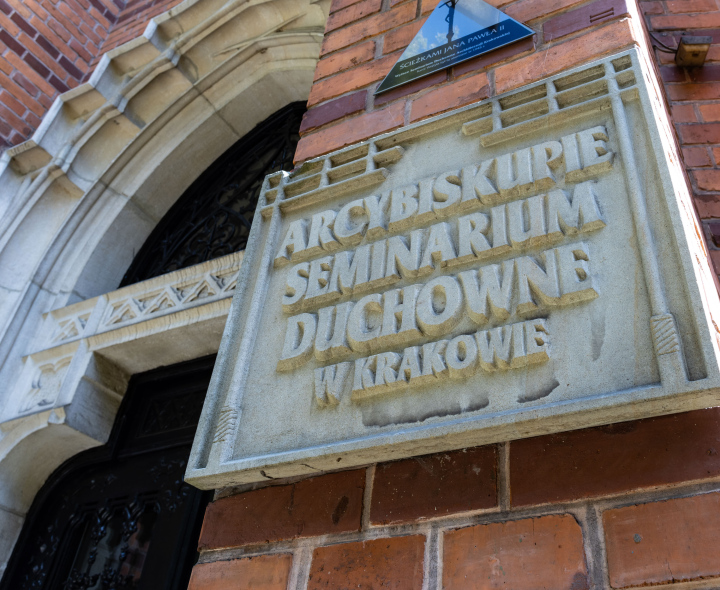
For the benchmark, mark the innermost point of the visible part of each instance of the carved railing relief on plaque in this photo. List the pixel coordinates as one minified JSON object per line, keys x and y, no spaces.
{"x":524,"y":265}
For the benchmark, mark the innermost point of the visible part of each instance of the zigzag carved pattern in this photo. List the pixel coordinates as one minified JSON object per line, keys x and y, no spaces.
{"x":665,"y":334}
{"x":226,"y":424}
{"x":177,"y":295}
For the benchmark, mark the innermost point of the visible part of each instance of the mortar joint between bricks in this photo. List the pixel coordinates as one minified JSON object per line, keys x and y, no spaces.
{"x":685,"y":489}
{"x":491,"y":82}
{"x":585,"y":516}
{"x":597,"y":546}
{"x":300,"y":572}
{"x":367,"y":496}
{"x":379,"y":43}
{"x":432,"y":561}
{"x":370,"y":98}
{"x":504,"y":494}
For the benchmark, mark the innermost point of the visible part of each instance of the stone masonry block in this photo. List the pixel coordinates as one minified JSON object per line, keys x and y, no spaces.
{"x":356,"y":399}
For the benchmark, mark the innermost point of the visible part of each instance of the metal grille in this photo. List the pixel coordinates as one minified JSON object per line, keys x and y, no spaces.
{"x":120,"y":516}
{"x":213,"y":217}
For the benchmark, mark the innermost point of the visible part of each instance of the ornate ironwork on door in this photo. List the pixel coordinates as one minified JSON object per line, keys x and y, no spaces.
{"x":213,"y":217}
{"x":120,"y":517}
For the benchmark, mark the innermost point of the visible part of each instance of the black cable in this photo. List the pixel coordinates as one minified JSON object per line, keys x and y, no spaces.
{"x":667,"y":48}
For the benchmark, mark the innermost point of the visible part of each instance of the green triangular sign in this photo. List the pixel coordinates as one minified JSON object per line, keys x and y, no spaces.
{"x":457,"y":30}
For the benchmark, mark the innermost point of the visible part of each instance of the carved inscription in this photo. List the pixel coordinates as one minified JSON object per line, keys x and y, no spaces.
{"x":494,"y":247}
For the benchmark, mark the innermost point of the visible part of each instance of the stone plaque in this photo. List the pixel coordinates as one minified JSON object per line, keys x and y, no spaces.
{"x":524,"y":265}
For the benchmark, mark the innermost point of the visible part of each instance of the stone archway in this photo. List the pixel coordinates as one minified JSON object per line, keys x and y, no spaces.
{"x":79,"y":199}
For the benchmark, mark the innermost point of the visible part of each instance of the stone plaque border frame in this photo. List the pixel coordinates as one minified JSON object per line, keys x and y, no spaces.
{"x":606,"y":84}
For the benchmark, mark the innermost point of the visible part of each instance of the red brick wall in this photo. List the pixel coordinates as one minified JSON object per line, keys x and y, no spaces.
{"x":694,"y":96}
{"x":364,"y":39}
{"x":132,"y":20}
{"x":631,"y":504}
{"x":50,"y":46}
{"x":626,"y":505}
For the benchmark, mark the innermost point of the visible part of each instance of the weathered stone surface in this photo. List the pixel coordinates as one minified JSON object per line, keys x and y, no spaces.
{"x":498,"y":272}
{"x":132,"y":137}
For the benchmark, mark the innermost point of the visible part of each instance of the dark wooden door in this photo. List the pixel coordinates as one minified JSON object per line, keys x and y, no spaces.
{"x":120,"y":516}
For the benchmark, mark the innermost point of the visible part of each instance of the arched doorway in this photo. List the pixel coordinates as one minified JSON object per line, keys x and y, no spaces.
{"x":120,"y":516}
{"x":213,"y":217}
